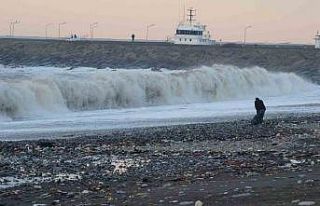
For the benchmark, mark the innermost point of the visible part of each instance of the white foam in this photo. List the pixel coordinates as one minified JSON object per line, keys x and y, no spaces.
{"x":32,"y":93}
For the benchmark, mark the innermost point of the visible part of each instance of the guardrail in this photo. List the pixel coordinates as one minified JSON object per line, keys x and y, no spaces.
{"x":81,"y":39}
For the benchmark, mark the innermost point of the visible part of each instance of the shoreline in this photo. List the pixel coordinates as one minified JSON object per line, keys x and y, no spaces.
{"x":218,"y":163}
{"x":49,"y":135}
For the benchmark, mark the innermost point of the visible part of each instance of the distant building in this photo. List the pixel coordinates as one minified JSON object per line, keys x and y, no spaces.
{"x":317,"y":41}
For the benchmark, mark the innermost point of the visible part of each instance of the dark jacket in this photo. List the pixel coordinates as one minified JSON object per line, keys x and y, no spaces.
{"x":259,"y":105}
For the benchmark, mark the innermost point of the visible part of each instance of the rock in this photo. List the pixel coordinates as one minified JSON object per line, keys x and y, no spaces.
{"x":295,"y":201}
{"x":309,"y":181}
{"x":241,"y":195}
{"x":306,"y":203}
{"x":55,"y":202}
{"x":186,"y":203}
{"x":85,"y":192}
{"x":198,"y":203}
{"x":297,"y":161}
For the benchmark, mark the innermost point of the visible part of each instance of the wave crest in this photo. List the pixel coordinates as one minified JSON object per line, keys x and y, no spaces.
{"x":38,"y":91}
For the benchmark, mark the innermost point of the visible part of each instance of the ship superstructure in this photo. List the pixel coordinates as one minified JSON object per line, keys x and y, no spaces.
{"x":189,"y":32}
{"x":317,"y":41}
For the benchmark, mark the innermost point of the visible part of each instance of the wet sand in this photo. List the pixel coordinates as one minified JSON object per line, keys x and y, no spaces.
{"x":230,"y":163}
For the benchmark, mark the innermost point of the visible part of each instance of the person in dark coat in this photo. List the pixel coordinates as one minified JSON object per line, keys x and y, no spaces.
{"x":261,"y":109}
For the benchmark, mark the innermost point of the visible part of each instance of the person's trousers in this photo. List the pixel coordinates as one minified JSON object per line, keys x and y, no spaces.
{"x":258,"y":119}
{"x":260,"y":115}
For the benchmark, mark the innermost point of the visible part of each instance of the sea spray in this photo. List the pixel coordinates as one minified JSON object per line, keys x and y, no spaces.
{"x":28,"y":92}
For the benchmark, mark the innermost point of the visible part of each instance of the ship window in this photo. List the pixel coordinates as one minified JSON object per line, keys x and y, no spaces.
{"x":189,"y":32}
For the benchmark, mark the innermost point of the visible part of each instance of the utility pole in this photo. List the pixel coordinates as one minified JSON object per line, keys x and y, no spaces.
{"x":182,"y":3}
{"x":245,"y":34}
{"x":46,"y":29}
{"x":148,"y":27}
{"x":184,"y":11}
{"x":179,"y":11}
{"x":59,"y":28}
{"x":92,"y":27}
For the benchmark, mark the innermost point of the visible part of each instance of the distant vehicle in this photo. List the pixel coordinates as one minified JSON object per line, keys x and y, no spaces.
{"x":189,"y":32}
{"x":74,"y":38}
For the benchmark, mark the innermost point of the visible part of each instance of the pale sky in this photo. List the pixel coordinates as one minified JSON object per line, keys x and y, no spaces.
{"x":272,"y":20}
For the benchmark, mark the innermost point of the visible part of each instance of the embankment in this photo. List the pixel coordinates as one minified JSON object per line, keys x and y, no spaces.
{"x":302,"y":60}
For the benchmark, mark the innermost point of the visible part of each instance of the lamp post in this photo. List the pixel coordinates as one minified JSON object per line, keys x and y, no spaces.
{"x":148,"y":27}
{"x":245,"y":34}
{"x":92,"y":27}
{"x":46,"y":29}
{"x":59,"y":28}
{"x":10,"y":29}
{"x":12,"y":26}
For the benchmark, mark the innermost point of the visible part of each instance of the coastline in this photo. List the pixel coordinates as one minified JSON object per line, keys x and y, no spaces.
{"x":226,"y":163}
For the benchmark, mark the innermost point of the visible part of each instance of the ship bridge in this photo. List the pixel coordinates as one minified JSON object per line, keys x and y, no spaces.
{"x":191,"y":33}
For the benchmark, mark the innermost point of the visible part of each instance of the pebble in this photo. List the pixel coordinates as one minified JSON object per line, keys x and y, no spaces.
{"x":162,"y":165}
{"x":309,"y":181}
{"x":55,"y":202}
{"x":306,"y":203}
{"x":186,"y":203}
{"x":295,"y":201}
{"x":198,"y":203}
{"x":85,"y":192}
{"x":241,"y":195}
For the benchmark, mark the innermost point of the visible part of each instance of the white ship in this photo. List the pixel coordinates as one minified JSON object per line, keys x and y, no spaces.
{"x":317,"y":41}
{"x":191,"y":33}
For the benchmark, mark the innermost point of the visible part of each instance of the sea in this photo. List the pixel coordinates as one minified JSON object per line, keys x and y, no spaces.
{"x":51,"y":102}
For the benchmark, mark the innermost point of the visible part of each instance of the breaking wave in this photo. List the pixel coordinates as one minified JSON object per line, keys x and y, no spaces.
{"x":28,"y":92}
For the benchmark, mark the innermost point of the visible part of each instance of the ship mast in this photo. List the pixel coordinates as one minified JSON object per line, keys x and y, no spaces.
{"x":191,"y":14}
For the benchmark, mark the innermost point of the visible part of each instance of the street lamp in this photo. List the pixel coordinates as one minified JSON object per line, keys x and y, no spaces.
{"x":46,"y":29}
{"x":148,"y":27}
{"x":59,"y":28}
{"x":92,"y":27}
{"x":12,"y":25}
{"x":245,"y":34}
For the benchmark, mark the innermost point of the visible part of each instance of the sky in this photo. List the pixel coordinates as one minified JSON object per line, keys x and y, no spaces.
{"x":294,"y":21}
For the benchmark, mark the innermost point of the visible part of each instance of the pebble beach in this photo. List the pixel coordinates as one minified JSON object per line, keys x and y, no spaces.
{"x":229,"y":163}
